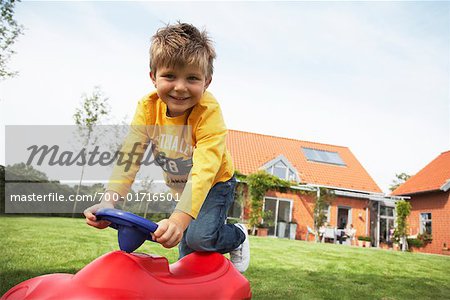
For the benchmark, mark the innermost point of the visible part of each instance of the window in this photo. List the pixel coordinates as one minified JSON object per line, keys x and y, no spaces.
{"x":425,"y":223}
{"x":281,"y":168}
{"x":386,"y":211}
{"x":323,"y":156}
{"x":235,"y":210}
{"x":292,"y":176}
{"x":326,"y":212}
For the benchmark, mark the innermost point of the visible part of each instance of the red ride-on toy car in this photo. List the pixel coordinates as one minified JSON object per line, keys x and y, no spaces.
{"x":127,"y":275}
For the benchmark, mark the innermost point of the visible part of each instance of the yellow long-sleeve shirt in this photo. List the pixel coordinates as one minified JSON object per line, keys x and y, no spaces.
{"x":204,"y":147}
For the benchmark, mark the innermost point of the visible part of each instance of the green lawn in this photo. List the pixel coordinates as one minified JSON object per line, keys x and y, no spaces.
{"x":281,"y":269}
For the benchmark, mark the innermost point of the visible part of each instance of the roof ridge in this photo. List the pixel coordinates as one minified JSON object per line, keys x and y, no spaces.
{"x":291,"y":139}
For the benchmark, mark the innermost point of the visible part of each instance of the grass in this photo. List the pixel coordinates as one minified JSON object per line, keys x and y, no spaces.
{"x":280,"y":269}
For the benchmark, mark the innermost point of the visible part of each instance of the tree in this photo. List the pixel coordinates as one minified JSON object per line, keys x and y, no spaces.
{"x":9,"y":31}
{"x":400,"y":179}
{"x":324,"y":198}
{"x":93,"y":109}
{"x":403,"y":209}
{"x":26,"y":172}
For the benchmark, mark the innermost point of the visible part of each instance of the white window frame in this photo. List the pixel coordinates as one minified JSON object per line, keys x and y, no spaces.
{"x":422,"y":226}
{"x":328,"y":213}
{"x":387,"y":218}
{"x":269,"y":166}
{"x":349,"y":214}
{"x":291,"y":208}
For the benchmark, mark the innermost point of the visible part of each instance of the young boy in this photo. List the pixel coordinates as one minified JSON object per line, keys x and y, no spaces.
{"x":181,"y":67}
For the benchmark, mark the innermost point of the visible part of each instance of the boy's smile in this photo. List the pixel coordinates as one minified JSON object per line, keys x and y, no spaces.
{"x":180,"y":88}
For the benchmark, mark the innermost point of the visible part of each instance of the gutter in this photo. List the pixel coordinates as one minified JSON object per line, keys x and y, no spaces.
{"x":373,"y":197}
{"x":380,"y":197}
{"x":363,"y":194}
{"x":446,"y":186}
{"x":344,"y":189}
{"x":304,"y":188}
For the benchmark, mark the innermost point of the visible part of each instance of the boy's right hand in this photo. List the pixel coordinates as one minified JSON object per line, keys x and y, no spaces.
{"x":89,"y":213}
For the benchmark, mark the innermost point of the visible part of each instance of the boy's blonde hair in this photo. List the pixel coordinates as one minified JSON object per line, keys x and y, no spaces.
{"x":179,"y":45}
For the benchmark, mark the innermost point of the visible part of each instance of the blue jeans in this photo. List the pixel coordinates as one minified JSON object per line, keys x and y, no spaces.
{"x":209,"y":232}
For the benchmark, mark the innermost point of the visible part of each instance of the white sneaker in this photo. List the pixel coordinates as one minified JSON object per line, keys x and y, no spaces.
{"x":240,"y":257}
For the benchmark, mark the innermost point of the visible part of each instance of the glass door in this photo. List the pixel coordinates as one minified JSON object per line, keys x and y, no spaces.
{"x":270,"y":210}
{"x":283,"y":218}
{"x":279,"y":217}
{"x":343,"y":217}
{"x":386,"y":230}
{"x":386,"y":224}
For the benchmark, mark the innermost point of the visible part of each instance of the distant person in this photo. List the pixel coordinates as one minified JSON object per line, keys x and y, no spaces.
{"x":350,"y":233}
{"x":322,"y":230}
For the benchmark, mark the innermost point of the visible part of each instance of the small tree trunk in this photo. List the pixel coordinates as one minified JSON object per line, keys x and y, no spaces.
{"x":81,"y":177}
{"x":78,"y":192}
{"x":404,"y":244}
{"x":146,"y":208}
{"x":316,"y":235}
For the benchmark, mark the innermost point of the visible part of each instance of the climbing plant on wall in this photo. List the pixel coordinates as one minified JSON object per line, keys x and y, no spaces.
{"x":323,"y":200}
{"x":258,"y":185}
{"x":403,"y":209}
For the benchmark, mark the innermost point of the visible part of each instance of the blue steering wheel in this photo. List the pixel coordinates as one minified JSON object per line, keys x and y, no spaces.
{"x":132,"y":230}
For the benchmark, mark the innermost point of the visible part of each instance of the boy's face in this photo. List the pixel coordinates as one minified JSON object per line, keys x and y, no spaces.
{"x":180,"y":87}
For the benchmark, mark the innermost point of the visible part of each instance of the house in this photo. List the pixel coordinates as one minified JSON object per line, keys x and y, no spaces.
{"x":358,"y":199}
{"x":429,"y":192}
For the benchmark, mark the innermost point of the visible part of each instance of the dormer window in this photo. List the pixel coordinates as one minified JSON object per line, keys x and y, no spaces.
{"x":281,"y":168}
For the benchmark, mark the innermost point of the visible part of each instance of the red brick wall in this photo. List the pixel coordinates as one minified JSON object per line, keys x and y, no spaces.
{"x":438,"y":204}
{"x":303,"y":210}
{"x":358,"y":213}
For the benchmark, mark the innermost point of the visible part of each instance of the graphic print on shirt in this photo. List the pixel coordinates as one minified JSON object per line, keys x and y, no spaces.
{"x":172,"y":150}
{"x":173,"y":154}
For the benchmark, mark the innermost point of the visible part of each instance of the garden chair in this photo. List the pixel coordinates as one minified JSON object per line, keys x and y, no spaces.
{"x":330,"y":233}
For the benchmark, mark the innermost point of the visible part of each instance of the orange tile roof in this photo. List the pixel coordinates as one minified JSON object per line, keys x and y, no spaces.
{"x":250,"y":151}
{"x":432,"y":177}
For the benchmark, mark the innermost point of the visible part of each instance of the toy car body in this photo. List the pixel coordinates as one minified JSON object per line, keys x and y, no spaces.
{"x":121,"y":275}
{"x":127,"y":275}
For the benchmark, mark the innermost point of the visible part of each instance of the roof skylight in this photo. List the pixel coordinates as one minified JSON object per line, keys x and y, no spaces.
{"x":323,"y":156}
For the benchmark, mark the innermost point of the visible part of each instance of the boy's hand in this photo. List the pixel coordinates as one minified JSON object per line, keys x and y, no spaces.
{"x":89,"y":213}
{"x":170,"y":231}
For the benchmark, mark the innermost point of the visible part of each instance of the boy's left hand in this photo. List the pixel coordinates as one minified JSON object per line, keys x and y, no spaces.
{"x":168,"y":234}
{"x":170,"y":231}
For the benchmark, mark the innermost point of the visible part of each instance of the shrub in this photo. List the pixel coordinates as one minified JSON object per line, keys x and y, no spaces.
{"x":418,"y":243}
{"x":364,"y":238}
{"x":421,"y":241}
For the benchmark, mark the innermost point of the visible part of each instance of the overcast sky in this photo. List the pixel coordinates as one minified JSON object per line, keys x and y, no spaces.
{"x":371,"y":76}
